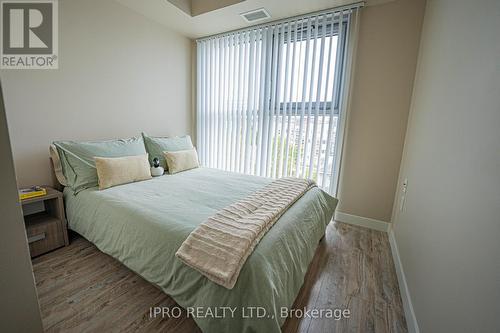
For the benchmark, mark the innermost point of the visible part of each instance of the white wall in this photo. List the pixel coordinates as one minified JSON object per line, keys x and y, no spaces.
{"x":119,"y":74}
{"x":19,"y":310}
{"x":384,"y":72}
{"x":449,"y":232}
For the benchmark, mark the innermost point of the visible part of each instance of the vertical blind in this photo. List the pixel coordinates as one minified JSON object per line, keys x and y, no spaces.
{"x":270,"y":99}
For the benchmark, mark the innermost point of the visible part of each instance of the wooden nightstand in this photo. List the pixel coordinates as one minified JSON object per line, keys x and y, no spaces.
{"x":45,"y":222}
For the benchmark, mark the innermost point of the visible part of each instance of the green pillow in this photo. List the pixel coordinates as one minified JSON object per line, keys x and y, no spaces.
{"x":157,"y":145}
{"x":77,"y":158}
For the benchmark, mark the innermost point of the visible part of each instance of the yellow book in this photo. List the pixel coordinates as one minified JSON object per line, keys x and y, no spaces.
{"x":31,"y":192}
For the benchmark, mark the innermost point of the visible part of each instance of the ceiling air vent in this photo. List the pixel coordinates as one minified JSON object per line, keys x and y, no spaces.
{"x":255,"y":15}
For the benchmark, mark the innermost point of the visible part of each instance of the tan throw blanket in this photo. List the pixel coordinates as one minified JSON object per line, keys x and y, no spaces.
{"x":219,"y":247}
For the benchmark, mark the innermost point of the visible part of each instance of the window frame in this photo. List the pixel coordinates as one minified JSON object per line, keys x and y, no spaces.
{"x":325,"y":108}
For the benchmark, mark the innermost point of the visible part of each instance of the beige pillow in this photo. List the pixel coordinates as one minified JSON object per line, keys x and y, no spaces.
{"x":113,"y":171}
{"x":181,"y":160}
{"x":56,"y":163}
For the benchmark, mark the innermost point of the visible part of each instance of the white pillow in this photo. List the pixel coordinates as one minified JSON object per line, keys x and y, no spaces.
{"x":112,"y":171}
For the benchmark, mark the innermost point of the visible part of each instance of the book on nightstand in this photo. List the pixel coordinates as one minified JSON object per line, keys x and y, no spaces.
{"x":31,"y":192}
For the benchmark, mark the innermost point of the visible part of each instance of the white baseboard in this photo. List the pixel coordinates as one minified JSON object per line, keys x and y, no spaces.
{"x":411,"y":320}
{"x":362,"y":221}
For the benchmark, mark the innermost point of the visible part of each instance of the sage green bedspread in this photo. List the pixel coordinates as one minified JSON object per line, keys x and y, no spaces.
{"x":143,"y":224}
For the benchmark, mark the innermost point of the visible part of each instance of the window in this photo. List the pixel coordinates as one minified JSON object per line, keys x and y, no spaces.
{"x":269,"y":99}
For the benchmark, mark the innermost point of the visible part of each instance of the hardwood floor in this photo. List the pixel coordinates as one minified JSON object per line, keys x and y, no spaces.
{"x":84,"y":290}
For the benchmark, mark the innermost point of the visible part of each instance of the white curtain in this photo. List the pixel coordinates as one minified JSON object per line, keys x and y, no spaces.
{"x":271,"y":99}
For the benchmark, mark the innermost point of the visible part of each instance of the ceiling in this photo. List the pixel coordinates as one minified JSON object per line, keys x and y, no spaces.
{"x":197,"y":7}
{"x":227,"y":18}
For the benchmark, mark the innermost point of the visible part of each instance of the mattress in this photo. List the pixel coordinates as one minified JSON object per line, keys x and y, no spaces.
{"x":143,"y":224}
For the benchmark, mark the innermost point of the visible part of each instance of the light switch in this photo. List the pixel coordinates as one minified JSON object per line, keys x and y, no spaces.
{"x":404,"y":190}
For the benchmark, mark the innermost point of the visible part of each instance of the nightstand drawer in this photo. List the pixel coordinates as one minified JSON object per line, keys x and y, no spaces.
{"x":44,"y":233}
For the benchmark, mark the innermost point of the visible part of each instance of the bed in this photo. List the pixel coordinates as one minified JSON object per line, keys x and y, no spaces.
{"x":143,"y":224}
